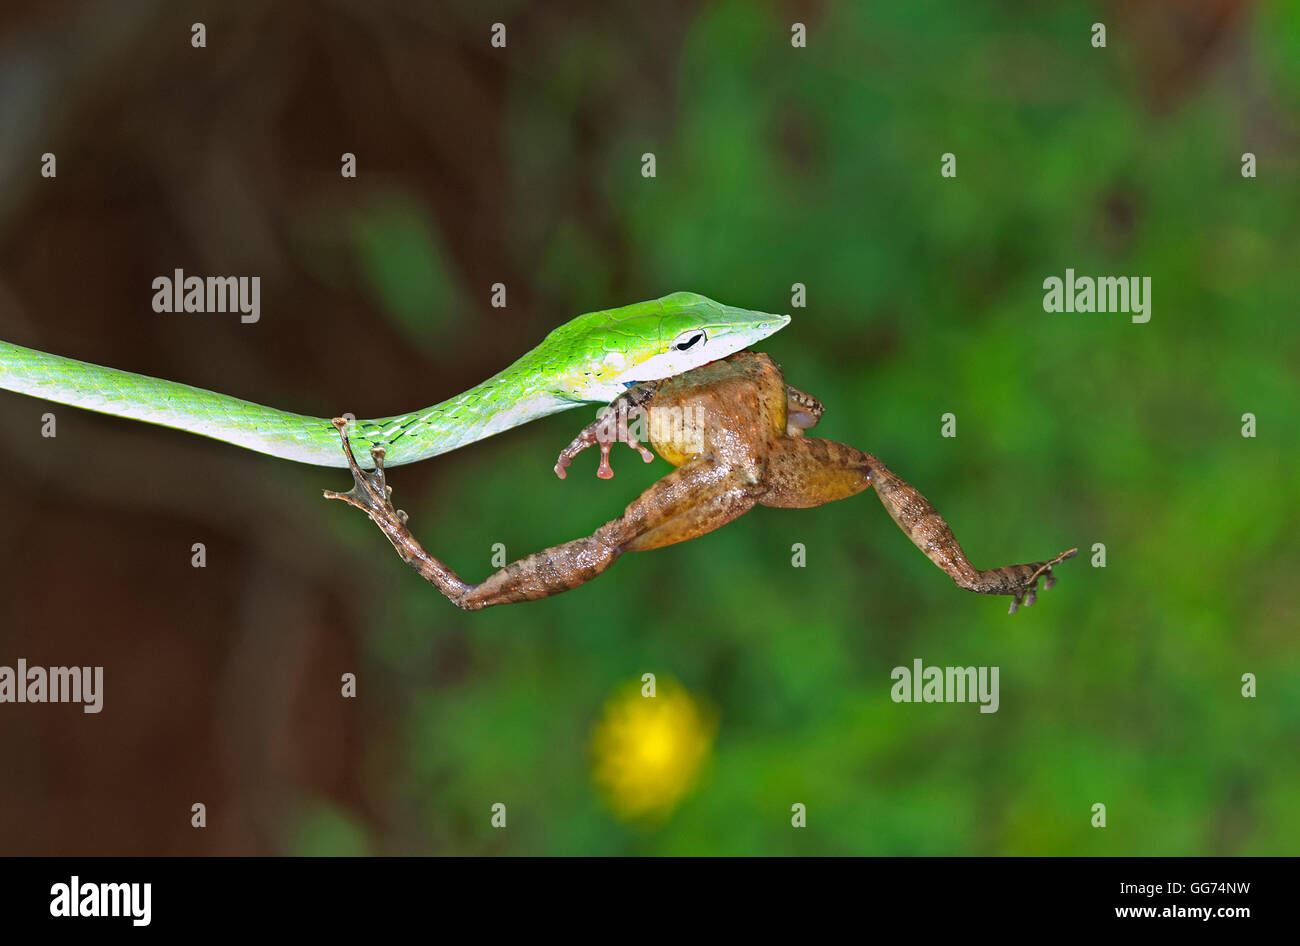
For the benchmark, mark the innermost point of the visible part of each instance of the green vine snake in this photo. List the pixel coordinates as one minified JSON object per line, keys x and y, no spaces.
{"x":590,"y":359}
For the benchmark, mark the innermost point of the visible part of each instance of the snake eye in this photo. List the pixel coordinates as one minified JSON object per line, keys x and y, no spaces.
{"x":687,"y":340}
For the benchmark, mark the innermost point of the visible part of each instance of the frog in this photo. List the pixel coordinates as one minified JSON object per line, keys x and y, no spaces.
{"x":736,"y":435}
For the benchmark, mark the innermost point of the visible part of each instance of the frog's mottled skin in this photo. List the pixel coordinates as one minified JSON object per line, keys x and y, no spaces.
{"x":734,"y":430}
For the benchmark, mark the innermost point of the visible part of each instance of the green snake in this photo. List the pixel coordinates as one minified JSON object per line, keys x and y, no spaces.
{"x":591,"y":359}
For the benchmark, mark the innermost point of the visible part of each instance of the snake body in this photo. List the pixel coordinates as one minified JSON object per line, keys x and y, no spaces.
{"x":590,"y":359}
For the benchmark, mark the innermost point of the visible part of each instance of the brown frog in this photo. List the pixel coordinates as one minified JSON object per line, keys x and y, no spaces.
{"x":734,"y":430}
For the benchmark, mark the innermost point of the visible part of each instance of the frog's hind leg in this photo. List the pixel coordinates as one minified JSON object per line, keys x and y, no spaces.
{"x":694,"y":499}
{"x":806,"y":472}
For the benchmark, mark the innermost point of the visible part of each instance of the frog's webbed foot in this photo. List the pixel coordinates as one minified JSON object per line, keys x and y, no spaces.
{"x":370,"y":492}
{"x":1029,"y":594}
{"x":611,"y":428}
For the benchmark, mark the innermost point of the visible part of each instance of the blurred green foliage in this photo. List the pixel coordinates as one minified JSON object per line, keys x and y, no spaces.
{"x":821,"y":166}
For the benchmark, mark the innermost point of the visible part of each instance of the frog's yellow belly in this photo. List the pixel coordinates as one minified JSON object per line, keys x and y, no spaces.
{"x":726,"y":409}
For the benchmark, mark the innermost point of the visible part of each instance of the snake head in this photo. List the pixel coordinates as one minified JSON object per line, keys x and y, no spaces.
{"x":604,"y":353}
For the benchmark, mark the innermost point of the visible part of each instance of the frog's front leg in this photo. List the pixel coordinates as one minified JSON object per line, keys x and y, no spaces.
{"x":609,"y":428}
{"x":806,"y":472}
{"x":802,"y":411}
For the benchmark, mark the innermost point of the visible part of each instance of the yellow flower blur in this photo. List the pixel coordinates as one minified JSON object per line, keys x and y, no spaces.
{"x":649,"y":750}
